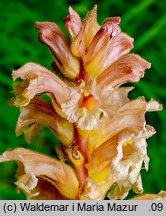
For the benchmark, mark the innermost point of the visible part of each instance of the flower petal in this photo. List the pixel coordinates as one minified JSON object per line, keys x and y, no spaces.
{"x":130,"y":117}
{"x":72,"y":23}
{"x":126,"y":177}
{"x":126,"y":165}
{"x":87,"y":32}
{"x":103,"y":155}
{"x":108,"y":30}
{"x":111,"y":99}
{"x":128,"y":68}
{"x":159,"y":196}
{"x":39,"y":112}
{"x":40,"y":81}
{"x":119,"y":190}
{"x":32,"y":165}
{"x":91,"y":26}
{"x":109,"y":53}
{"x":153,"y":105}
{"x":91,"y":191}
{"x":46,"y":191}
{"x":53,"y":37}
{"x":86,"y":119}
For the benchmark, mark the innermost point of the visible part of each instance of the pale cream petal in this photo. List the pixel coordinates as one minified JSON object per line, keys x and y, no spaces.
{"x":137,"y":186}
{"x":125,"y":175}
{"x":70,"y":108}
{"x":40,"y":80}
{"x":39,"y":112}
{"x":91,"y":191}
{"x":126,"y":165}
{"x":159,"y":196}
{"x":122,"y":138}
{"x":32,"y":165}
{"x":53,"y":37}
{"x":128,"y":68}
{"x":89,"y":119}
{"x":131,"y":151}
{"x":153,"y":105}
{"x":147,"y":132}
{"x":119,"y":190}
{"x":140,"y":144}
{"x":73,"y":23}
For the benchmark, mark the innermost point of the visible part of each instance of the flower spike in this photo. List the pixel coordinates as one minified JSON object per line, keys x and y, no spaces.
{"x":102,"y":133}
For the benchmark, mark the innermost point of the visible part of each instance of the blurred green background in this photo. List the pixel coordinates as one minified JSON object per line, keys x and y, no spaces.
{"x":145,"y":20}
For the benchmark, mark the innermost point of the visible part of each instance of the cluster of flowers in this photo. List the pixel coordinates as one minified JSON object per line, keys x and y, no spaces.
{"x":103,"y":133}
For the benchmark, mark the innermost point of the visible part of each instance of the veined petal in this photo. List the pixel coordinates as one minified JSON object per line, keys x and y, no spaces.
{"x":32,"y":165}
{"x":117,"y":47}
{"x":41,"y":80}
{"x":111,"y":99}
{"x":73,"y":23}
{"x":108,"y":30}
{"x":39,"y":112}
{"x":91,"y":26}
{"x":87,"y":32}
{"x":102,"y":156}
{"x":159,"y":196}
{"x":128,"y":68}
{"x":109,"y":53}
{"x":53,"y":37}
{"x":129,"y":117}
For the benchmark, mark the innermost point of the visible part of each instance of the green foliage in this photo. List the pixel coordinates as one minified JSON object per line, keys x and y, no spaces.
{"x":145,"y":20}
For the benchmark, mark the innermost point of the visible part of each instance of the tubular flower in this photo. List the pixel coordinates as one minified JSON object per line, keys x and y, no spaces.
{"x":102,"y":133}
